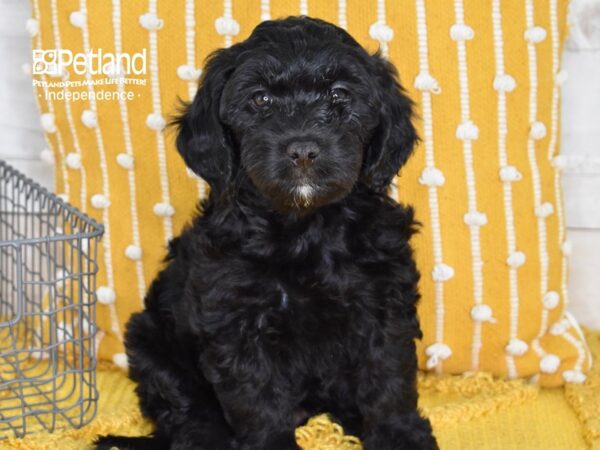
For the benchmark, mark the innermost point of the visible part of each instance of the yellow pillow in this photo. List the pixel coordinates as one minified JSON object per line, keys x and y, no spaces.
{"x":485,"y":180}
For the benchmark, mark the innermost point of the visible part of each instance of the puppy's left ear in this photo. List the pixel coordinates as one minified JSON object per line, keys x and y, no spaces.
{"x":395,"y":136}
{"x":203,"y":140}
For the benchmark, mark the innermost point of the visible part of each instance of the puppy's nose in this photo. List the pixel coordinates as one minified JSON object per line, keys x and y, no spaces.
{"x":303,"y":153}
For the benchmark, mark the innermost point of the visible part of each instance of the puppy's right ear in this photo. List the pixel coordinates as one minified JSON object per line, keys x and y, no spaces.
{"x":203,"y":141}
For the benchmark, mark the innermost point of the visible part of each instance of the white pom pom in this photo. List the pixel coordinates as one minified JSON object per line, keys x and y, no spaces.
{"x":125,"y":161}
{"x":63,"y":197}
{"x":461,"y":32}
{"x":86,"y":327}
{"x":39,"y":355}
{"x":535,"y":35}
{"x":381,"y":32}
{"x":100,"y":201}
{"x":516,"y":347}
{"x":442,"y":272}
{"x":156,"y":121}
{"x":77,"y":19}
{"x":574,"y":376}
{"x":439,"y":349}
{"x":544,"y":210}
{"x":437,"y":352}
{"x":60,"y":275}
{"x":64,"y":332}
{"x":504,"y":83}
{"x":133,"y":252}
{"x":73,"y":161}
{"x":47,"y":156}
{"x":89,"y":119}
{"x":151,"y":21}
{"x":188,"y":73}
{"x":537,"y":131}
{"x":163,"y":210}
{"x":432,"y":177}
{"x":47,"y":121}
{"x":85,"y":246}
{"x":559,"y":327}
{"x":549,"y":363}
{"x":560,"y":77}
{"x":226,"y":26}
{"x":467,"y":131}
{"x":566,"y":248}
{"x":551,"y":299}
{"x":482,"y":313}
{"x":510,"y":173}
{"x":33,"y":27}
{"x":106,"y":295}
{"x":425,"y":82}
{"x":120,"y":360}
{"x":559,"y":162}
{"x":516,"y":259}
{"x":475,"y":218}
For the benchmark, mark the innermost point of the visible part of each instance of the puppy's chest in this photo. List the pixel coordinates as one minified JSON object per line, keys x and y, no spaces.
{"x":319,"y":301}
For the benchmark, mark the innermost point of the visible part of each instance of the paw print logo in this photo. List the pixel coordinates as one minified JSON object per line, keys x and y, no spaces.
{"x":45,"y":62}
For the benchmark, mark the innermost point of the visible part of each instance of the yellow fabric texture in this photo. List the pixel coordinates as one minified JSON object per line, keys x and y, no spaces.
{"x":456,"y":67}
{"x":471,"y":412}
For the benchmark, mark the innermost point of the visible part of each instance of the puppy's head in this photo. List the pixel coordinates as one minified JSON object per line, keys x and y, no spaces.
{"x":303,"y":111}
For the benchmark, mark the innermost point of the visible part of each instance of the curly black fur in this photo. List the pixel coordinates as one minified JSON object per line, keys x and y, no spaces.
{"x":295,"y":292}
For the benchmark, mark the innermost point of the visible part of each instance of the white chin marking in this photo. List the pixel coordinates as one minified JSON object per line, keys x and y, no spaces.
{"x":304,"y":194}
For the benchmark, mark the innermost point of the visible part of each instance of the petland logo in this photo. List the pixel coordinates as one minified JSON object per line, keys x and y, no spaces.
{"x":56,"y":63}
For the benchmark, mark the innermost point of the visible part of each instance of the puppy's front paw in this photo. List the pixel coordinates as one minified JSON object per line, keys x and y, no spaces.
{"x":411,"y":432}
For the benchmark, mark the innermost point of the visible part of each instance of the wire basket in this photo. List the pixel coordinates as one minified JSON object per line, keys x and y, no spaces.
{"x":47,"y":309}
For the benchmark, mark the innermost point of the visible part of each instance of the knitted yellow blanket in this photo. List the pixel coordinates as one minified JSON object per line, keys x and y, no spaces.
{"x":468,"y":413}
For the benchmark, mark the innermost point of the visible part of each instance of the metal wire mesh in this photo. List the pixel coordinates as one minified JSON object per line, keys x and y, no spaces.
{"x":47,"y":309}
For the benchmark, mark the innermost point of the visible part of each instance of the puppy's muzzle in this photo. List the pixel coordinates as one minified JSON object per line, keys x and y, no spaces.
{"x":303,"y":153}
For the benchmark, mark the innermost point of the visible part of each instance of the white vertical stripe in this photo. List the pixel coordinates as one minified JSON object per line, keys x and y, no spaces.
{"x":581,"y":352}
{"x":436,"y":229}
{"x":265,"y":10}
{"x":554,"y":35}
{"x":106,"y":242}
{"x":304,"y":7}
{"x":157,"y":111}
{"x":190,"y":47}
{"x":228,"y":14}
{"x":381,"y":20}
{"x":378,"y":31}
{"x":582,"y":339}
{"x":474,"y":230}
{"x":135,"y":233}
{"x":342,"y":14}
{"x":50,"y":106}
{"x":506,"y":185}
{"x":68,"y":112}
{"x":535,"y":174}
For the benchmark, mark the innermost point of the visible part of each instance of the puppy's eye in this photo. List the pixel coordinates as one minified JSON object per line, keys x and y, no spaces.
{"x":262,"y":99}
{"x":338,"y":94}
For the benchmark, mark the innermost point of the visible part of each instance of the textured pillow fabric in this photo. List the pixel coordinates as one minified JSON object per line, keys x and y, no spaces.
{"x":485,"y":180}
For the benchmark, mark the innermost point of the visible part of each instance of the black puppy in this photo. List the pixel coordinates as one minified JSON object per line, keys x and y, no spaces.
{"x":294,"y":293}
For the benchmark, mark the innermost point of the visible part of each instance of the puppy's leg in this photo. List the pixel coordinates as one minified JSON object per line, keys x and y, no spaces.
{"x":387,"y":397}
{"x":258,"y":401}
{"x":176,"y":397}
{"x":262,"y":419}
